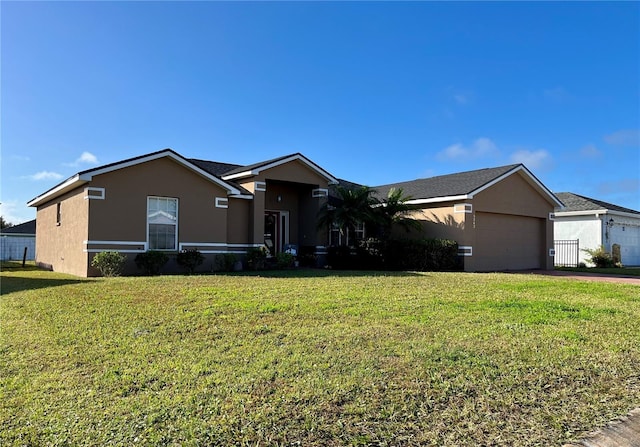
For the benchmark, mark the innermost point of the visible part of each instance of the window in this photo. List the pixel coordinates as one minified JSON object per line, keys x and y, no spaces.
{"x":359,"y":231}
{"x":162,"y":223}
{"x":58,"y":214}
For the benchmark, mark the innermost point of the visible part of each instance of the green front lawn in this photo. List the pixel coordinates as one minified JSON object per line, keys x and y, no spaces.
{"x":314,"y":358}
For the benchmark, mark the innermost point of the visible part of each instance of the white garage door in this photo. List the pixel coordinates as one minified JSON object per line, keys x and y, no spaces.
{"x":508,"y":242}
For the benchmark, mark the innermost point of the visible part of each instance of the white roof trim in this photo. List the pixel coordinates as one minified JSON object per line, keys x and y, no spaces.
{"x":63,"y":187}
{"x":513,"y":171}
{"x":438,"y":199}
{"x":596,"y":213}
{"x":274,"y":164}
{"x":87,"y":176}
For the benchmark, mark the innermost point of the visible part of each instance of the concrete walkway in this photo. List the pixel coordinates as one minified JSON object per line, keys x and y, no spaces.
{"x":624,"y":432}
{"x":620,"y":279}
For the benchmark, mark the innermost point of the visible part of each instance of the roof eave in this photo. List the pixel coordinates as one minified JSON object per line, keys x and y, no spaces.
{"x":62,"y":188}
{"x":257,"y":170}
{"x":528,"y":173}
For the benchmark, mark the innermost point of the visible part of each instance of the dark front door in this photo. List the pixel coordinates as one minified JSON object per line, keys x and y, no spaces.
{"x":272,"y":232}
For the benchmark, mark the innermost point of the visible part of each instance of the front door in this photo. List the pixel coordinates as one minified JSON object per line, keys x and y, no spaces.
{"x":276,"y":231}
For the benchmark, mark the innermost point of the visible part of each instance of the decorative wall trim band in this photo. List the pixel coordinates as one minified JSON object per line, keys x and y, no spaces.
{"x":120,"y":246}
{"x":222,"y":202}
{"x":463,"y":208}
{"x":465,"y":250}
{"x":320,"y":192}
{"x":91,"y":192}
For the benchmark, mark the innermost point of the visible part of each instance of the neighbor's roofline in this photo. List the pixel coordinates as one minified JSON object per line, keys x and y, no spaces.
{"x":86,"y":176}
{"x":598,"y":212}
{"x":286,"y":159}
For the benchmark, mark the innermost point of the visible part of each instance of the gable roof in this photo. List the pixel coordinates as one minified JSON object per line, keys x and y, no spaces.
{"x":462,"y":185}
{"x":575,"y":203}
{"x":23,"y":228}
{"x":86,"y":176}
{"x":256,"y":168}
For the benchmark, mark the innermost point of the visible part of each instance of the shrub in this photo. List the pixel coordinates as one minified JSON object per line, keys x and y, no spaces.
{"x":226,"y":262}
{"x":110,"y":263}
{"x":190,"y":259}
{"x":599,"y":257}
{"x":284,"y":260}
{"x":151,"y":261}
{"x":256,"y":258}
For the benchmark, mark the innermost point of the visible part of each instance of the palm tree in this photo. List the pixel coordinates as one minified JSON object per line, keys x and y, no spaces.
{"x":353,"y":207}
{"x":394,"y":211}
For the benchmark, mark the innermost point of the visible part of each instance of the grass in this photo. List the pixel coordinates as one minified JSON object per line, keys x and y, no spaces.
{"x":625,"y":271}
{"x":314,"y":358}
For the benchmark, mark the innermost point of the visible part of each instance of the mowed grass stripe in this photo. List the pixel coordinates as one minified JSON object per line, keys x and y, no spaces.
{"x":314,"y":357}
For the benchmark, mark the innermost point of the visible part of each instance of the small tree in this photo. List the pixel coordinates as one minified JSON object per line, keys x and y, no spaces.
{"x":110,"y":263}
{"x":4,"y":224}
{"x":599,"y":257}
{"x":190,"y":259}
{"x":150,"y":262}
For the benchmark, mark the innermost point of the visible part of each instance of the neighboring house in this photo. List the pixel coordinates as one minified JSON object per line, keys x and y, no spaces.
{"x":500,"y":217}
{"x":14,"y":240}
{"x":164,"y":201}
{"x":594,"y":223}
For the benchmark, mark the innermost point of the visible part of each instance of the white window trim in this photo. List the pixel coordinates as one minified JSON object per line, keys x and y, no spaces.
{"x":222,"y":202}
{"x":89,"y":196}
{"x":463,"y":208}
{"x":465,"y":250}
{"x":177,"y":219}
{"x":320,"y":192}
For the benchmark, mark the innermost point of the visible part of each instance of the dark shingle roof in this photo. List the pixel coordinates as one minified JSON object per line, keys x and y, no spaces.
{"x":251,"y":167}
{"x":213,"y":167}
{"x":447,"y":185}
{"x":23,"y":228}
{"x":575,"y":202}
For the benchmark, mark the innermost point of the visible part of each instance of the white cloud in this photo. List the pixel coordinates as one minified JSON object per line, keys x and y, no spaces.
{"x":86,"y":158}
{"x":10,"y":212}
{"x":590,"y":151}
{"x":626,"y":137}
{"x":45,"y":175}
{"x":481,"y":147}
{"x":531,"y":159}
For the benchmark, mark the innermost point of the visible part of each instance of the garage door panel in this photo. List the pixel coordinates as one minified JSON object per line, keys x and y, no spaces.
{"x":508,"y":242}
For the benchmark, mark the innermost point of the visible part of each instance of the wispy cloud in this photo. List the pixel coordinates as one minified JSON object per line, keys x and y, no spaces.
{"x":625,"y":137}
{"x":619,"y":186}
{"x":535,"y":159}
{"x":460,"y":98}
{"x":86,"y":158}
{"x":20,"y":158}
{"x":480,"y":148}
{"x":9,"y":211}
{"x":45,"y":175}
{"x":556,"y":94}
{"x":590,"y":151}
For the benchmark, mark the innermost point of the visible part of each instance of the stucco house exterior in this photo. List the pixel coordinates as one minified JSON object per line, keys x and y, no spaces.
{"x":15,"y":239}
{"x":500,"y":216}
{"x":594,"y":223}
{"x":164,"y":201}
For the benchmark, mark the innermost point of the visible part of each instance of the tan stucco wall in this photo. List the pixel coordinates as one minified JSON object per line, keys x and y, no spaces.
{"x":439,"y":221}
{"x":60,"y":247}
{"x":122,"y":216}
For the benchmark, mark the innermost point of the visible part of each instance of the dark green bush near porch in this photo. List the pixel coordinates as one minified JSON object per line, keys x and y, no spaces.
{"x":190,"y":259}
{"x":150,"y":262}
{"x":110,"y":263}
{"x":403,"y":254}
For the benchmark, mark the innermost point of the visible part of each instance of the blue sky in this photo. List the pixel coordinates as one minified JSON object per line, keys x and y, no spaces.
{"x":374,"y":92}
